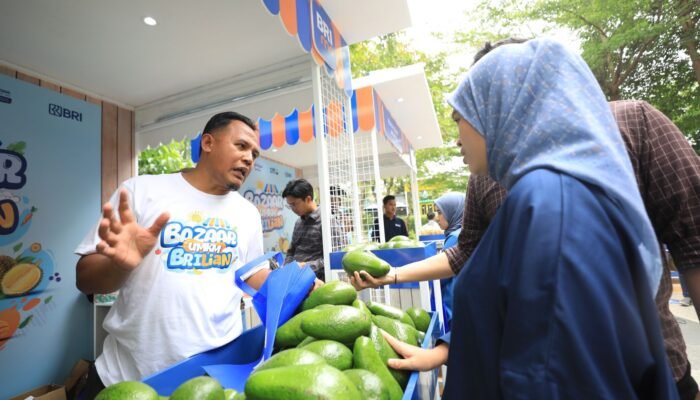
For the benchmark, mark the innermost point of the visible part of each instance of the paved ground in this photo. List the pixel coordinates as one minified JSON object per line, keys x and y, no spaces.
{"x":688,"y":321}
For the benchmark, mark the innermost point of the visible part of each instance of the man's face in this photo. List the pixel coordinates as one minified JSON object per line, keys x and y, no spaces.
{"x":300,"y":207}
{"x":390,"y":208}
{"x":232,"y":152}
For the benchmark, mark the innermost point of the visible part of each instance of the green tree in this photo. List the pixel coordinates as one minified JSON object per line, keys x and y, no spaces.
{"x":391,"y":51}
{"x":643,"y":49}
{"x":166,"y":158}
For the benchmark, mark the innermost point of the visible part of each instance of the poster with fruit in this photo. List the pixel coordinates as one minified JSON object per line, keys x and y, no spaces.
{"x":264,"y":188}
{"x":49,"y":199}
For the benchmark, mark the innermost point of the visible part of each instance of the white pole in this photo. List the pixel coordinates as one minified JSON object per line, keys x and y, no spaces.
{"x":414,"y":193}
{"x":357,"y":217}
{"x":378,"y":185}
{"x":322,"y":161}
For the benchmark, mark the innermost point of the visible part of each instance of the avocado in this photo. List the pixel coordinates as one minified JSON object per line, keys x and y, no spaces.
{"x":336,"y":292}
{"x":306,"y":341}
{"x":360,"y":305}
{"x":399,"y":238}
{"x":336,"y":354}
{"x":406,"y":244}
{"x":420,"y":317}
{"x":201,"y":387}
{"x":365,"y":261}
{"x":340,"y":323}
{"x":128,"y":390}
{"x":391,"y":312}
{"x":230,"y":394}
{"x":290,"y":334}
{"x":365,"y":356}
{"x":291,"y":357}
{"x":397,"y":329}
{"x":368,"y":383}
{"x":319,"y":381}
{"x":386,"y":352}
{"x":239,"y":396}
{"x":420,"y":336}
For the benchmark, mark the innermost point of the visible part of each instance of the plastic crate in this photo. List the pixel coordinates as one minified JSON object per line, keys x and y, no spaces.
{"x":248,"y":347}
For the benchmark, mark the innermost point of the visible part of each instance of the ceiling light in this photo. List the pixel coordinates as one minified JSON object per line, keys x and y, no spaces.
{"x":399,"y":100}
{"x":420,"y":137}
{"x":150,"y":21}
{"x":274,"y":150}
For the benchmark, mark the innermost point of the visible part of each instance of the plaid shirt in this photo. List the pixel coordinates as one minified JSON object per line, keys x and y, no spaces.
{"x":668,"y":174}
{"x":307,"y":241}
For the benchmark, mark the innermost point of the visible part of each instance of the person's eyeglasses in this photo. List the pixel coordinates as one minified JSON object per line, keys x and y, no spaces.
{"x":294,"y":204}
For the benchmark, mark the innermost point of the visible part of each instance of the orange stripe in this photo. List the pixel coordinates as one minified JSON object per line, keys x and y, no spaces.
{"x":288,"y":13}
{"x":317,"y":57}
{"x":306,"y":126}
{"x":278,"y":131}
{"x":335,"y":122}
{"x":339,"y":79}
{"x":365,"y":108}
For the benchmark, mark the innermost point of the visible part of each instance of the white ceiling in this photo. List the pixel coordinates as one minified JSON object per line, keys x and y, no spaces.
{"x":104,"y":48}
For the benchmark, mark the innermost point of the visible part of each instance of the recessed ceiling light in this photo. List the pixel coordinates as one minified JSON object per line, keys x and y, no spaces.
{"x":420,"y":137}
{"x":274,"y":150}
{"x":150,"y":21}
{"x":399,"y":100}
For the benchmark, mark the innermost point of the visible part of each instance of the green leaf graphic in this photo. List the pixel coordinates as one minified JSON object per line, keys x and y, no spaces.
{"x":25,"y":322}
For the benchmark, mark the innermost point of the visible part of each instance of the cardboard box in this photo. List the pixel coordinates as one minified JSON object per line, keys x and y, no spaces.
{"x":46,"y":392}
{"x":72,"y":385}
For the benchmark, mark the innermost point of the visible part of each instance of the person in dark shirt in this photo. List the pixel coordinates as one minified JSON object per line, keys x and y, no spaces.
{"x":393,"y":225}
{"x":307,"y":240}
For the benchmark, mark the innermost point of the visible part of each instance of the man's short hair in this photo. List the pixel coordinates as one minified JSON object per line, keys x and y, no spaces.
{"x":431,"y":215}
{"x":299,"y":188}
{"x":222,"y":120}
{"x":388,"y":198}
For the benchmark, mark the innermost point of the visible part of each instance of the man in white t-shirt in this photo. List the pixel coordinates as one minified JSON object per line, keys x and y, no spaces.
{"x":171,"y":245}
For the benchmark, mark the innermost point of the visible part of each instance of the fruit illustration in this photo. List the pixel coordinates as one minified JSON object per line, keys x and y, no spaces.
{"x":6,"y":262}
{"x":36,"y":247}
{"x":21,"y":279}
{"x":9,"y":321}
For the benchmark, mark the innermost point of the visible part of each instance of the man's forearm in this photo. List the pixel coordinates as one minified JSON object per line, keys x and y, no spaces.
{"x":97,"y":274}
{"x":435,"y":267}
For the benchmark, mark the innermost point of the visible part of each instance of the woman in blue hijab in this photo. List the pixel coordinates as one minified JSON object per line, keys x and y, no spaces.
{"x":450,"y":207}
{"x":556,"y":302}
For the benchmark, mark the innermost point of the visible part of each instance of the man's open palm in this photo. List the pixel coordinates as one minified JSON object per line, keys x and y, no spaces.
{"x":123,"y":240}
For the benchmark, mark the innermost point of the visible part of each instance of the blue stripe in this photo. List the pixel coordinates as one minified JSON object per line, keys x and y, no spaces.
{"x":265,"y":127}
{"x":273,"y":6}
{"x":355,"y":118}
{"x":291,"y":127}
{"x":195,"y":145}
{"x":304,"y":23}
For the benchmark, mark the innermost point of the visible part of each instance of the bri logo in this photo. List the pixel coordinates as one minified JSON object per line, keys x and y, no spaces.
{"x":63,"y":112}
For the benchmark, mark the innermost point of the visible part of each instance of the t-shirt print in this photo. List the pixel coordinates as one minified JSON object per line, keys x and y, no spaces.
{"x":198,"y":243}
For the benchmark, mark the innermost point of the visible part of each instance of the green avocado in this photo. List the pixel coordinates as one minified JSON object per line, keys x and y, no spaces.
{"x":386,"y":352}
{"x":319,"y":381}
{"x":306,"y":341}
{"x":291,"y":357}
{"x":290,"y":333}
{"x":360,"y":305}
{"x":391,"y":312}
{"x":399,"y":238}
{"x":201,"y":387}
{"x":368,"y":383}
{"x":365,"y":356}
{"x":230,"y":394}
{"x":397,"y":329}
{"x":340,"y":323}
{"x":336,"y":292}
{"x":128,"y":390}
{"x":336,"y":354}
{"x":365,"y":261}
{"x":420,"y":317}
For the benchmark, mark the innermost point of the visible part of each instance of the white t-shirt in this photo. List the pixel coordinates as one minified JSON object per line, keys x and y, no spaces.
{"x":182,"y":299}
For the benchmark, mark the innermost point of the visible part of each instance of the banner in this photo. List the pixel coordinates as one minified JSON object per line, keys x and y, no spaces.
{"x":263,"y":188}
{"x":49,"y":199}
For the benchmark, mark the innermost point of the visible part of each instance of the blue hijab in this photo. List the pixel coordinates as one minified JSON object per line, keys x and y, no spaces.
{"x":451,"y":206}
{"x":537,"y":105}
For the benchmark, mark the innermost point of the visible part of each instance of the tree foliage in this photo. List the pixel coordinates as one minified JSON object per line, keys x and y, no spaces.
{"x":166,"y":158}
{"x":641,"y":49}
{"x":392,"y":51}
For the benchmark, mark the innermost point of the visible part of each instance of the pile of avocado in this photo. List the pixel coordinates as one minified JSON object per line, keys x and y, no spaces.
{"x":331,"y":349}
{"x":397,"y":242}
